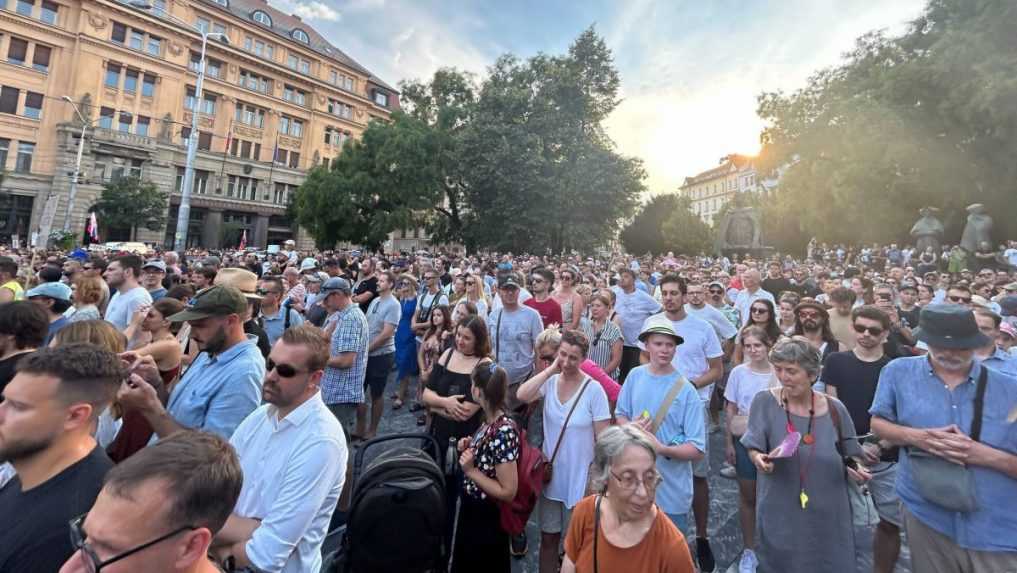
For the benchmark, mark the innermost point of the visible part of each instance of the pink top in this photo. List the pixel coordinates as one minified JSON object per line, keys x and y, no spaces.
{"x":593,"y":370}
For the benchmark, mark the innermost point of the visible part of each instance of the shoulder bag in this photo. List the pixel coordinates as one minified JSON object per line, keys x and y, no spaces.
{"x":863,"y":508}
{"x":549,"y":466}
{"x":672,"y":393}
{"x":944,"y":483}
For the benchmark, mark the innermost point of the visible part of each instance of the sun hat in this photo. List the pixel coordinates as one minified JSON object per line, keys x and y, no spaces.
{"x":659,"y":324}
{"x":241,"y":279}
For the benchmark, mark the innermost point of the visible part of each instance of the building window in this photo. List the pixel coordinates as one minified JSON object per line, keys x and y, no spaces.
{"x":5,"y":146}
{"x":262,"y":18}
{"x":250,"y":115}
{"x":148,"y":85}
{"x":40,"y":59}
{"x":299,"y":64}
{"x":126,"y":120}
{"x":259,"y":48}
{"x":137,"y":40}
{"x":106,"y":118}
{"x":131,"y":81}
{"x":24,"y":159}
{"x":222,"y":2}
{"x":290,"y":126}
{"x":119,"y":33}
{"x":213,"y":67}
{"x":293,"y":95}
{"x":301,"y":36}
{"x":241,"y":187}
{"x":49,"y":12}
{"x":17,"y":51}
{"x":255,"y":82}
{"x":113,"y":76}
{"x":33,"y":105}
{"x":24,"y":7}
{"x":205,"y":140}
{"x":154,"y":45}
{"x":143,"y":123}
{"x":202,"y":24}
{"x":381,"y":98}
{"x":207,"y":105}
{"x":9,"y":99}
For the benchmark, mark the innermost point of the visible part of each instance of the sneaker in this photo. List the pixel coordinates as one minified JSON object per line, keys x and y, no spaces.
{"x":704,"y":555}
{"x":748,"y":562}
{"x":518,"y":545}
{"x":728,"y":471}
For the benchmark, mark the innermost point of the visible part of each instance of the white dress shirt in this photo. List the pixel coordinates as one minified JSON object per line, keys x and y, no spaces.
{"x":294,"y":470}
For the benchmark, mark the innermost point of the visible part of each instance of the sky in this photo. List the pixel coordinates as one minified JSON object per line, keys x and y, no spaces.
{"x":690,"y":69}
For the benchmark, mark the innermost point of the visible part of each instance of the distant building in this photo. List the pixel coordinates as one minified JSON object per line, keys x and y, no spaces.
{"x":711,"y":189}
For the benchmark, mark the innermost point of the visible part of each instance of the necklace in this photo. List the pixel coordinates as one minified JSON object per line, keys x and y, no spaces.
{"x":807,"y":439}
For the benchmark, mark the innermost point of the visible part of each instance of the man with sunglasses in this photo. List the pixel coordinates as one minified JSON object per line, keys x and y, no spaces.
{"x":294,"y":455}
{"x":46,"y":421}
{"x":852,"y":377}
{"x":716,"y":297}
{"x":223,"y":384}
{"x":158,"y":509}
{"x":431,"y":297}
{"x":541,"y":282}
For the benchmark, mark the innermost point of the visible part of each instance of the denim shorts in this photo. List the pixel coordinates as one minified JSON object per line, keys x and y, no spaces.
{"x":744,"y":468}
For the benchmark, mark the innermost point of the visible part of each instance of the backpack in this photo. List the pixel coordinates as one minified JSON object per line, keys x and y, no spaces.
{"x":397,"y":512}
{"x":530,"y":479}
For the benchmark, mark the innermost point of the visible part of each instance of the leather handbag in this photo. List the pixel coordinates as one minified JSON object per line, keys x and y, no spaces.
{"x":942,"y":482}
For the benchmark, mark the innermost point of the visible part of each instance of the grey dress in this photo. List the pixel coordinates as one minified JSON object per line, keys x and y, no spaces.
{"x":820,"y":538}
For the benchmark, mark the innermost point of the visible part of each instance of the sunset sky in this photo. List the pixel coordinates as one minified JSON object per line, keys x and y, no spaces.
{"x":690,"y":70}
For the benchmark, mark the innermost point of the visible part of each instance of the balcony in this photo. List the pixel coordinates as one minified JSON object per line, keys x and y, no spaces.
{"x":123,"y":139}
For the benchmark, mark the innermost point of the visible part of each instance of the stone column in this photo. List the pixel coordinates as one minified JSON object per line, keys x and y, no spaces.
{"x":211,"y":233}
{"x":260,"y":238}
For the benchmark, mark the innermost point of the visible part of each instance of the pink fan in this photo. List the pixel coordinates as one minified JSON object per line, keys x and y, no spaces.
{"x":788,"y":446}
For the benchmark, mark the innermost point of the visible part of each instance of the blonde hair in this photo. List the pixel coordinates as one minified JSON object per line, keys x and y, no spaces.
{"x":97,"y":332}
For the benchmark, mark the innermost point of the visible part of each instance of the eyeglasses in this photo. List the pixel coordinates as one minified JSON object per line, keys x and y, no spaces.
{"x":536,"y":280}
{"x":959,"y":299}
{"x":808,"y":314}
{"x":757,"y":310}
{"x":883,"y":296}
{"x":630,"y":483}
{"x":872,"y":330}
{"x":284,"y":370}
{"x":429,"y":277}
{"x":91,"y":561}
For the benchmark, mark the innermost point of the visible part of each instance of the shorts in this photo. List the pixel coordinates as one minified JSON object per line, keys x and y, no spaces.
{"x":884,"y":495}
{"x":347,"y":416}
{"x":744,"y":468}
{"x":553,"y":516}
{"x":378,"y":369}
{"x":701,"y":467}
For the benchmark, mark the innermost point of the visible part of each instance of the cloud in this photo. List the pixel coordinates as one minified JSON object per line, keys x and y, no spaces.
{"x":308,"y":10}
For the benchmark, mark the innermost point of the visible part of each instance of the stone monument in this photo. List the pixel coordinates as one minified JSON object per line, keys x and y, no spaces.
{"x":978,"y":229}
{"x":927,"y":231}
{"x":740,"y":231}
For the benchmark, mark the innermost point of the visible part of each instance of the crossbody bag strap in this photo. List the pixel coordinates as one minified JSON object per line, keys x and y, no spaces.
{"x":835,"y":417}
{"x":564,"y":426}
{"x":658,"y":419}
{"x":497,"y":336}
{"x":976,"y":422}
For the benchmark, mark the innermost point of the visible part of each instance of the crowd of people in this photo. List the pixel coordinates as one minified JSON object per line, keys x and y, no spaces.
{"x":199,"y":411}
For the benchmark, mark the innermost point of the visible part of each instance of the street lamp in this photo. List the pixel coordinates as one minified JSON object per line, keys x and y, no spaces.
{"x":184,"y":211}
{"x":77,"y":165}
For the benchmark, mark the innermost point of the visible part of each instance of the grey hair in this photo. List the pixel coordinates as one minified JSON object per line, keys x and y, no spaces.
{"x":798,"y":352}
{"x":610,"y":444}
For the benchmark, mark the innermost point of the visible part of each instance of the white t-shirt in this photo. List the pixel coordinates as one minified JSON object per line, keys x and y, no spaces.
{"x":721,"y":325}
{"x":743,"y":303}
{"x":122,"y":306}
{"x":568,"y":481}
{"x":633,"y":309}
{"x":744,"y":383}
{"x":701,"y":344}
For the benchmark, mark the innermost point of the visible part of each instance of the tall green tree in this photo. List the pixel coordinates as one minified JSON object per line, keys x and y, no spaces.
{"x":644,"y":234}
{"x":129,"y":202}
{"x":684,"y":232}
{"x":926,"y":118}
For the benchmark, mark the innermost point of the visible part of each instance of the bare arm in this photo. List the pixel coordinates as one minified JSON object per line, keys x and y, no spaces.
{"x":616,"y":356}
{"x":715,"y":373}
{"x":503,"y":486}
{"x":578,"y":306}
{"x":738,"y":355}
{"x":529,"y":391}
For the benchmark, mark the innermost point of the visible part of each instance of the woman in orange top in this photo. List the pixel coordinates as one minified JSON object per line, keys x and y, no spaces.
{"x":622,"y":529}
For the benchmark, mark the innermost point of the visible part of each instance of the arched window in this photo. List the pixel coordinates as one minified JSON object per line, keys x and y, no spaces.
{"x":301,"y":36}
{"x":222,"y":2}
{"x":262,"y":18}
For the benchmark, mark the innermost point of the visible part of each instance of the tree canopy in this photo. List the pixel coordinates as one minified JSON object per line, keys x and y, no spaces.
{"x":129,"y":202}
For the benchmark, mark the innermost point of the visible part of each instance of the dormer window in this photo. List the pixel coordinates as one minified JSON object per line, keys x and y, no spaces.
{"x":222,"y":3}
{"x":301,"y":36}
{"x":262,"y":18}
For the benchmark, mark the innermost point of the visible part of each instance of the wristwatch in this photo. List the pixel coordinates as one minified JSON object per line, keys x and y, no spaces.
{"x":229,"y":563}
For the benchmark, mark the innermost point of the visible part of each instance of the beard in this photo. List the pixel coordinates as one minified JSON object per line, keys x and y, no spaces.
{"x":15,"y":451}
{"x":811,"y":325}
{"x":216,"y":343}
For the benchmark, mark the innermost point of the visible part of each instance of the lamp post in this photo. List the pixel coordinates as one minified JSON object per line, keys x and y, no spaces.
{"x":77,"y":165}
{"x":184,"y":211}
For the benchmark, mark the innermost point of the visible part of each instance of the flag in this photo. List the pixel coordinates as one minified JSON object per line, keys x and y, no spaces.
{"x":243,"y":240}
{"x":93,"y":228}
{"x":275,"y":156}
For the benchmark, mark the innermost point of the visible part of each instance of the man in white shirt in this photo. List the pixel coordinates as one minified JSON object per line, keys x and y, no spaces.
{"x":750,"y":293}
{"x":294,"y":456}
{"x":122,"y":275}
{"x":633,"y":307}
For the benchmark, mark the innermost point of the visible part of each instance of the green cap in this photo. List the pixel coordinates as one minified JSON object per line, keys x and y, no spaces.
{"x":218,"y":300}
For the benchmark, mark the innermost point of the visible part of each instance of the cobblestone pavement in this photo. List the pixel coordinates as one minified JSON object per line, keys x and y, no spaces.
{"x":724,"y":532}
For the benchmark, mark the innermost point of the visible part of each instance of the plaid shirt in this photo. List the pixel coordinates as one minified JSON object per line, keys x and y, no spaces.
{"x":346,"y":385}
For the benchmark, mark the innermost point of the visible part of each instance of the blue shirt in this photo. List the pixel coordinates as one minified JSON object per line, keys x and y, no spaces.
{"x":910,"y":394}
{"x":346,"y":385}
{"x":1002,"y":361}
{"x":54,"y":328}
{"x":217,"y":393}
{"x":684,"y":423}
{"x":276,"y":324}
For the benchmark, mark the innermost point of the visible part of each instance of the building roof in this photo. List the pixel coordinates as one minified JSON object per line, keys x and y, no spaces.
{"x":285,"y":25}
{"x":728,"y":163}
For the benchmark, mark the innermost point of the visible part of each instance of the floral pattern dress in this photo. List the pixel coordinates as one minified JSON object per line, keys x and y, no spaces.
{"x":493,"y":444}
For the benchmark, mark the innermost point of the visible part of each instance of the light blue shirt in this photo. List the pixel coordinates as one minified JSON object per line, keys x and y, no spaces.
{"x":910,"y":394}
{"x":633,"y":308}
{"x":684,"y":423}
{"x":276,"y":324}
{"x":216,"y":394}
{"x":1002,"y":361}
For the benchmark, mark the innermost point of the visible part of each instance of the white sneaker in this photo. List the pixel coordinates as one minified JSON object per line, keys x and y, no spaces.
{"x":748,"y":562}
{"x":728,"y":471}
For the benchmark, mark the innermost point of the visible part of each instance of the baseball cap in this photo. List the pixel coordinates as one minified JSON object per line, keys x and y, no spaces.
{"x":312,"y":278}
{"x":154,"y":265}
{"x":54,"y":290}
{"x":211,"y":261}
{"x":1009,"y":305}
{"x":218,"y":300}
{"x":308,"y":264}
{"x":337,"y":284}
{"x":508,"y":281}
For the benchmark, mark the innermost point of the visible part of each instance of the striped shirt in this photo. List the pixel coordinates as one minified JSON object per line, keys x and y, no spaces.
{"x":600,"y":346}
{"x":346,"y":385}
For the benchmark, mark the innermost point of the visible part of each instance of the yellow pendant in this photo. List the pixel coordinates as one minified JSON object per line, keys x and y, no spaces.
{"x":804,"y":499}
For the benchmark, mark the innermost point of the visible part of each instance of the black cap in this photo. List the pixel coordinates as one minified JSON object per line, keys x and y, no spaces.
{"x":950,"y":326}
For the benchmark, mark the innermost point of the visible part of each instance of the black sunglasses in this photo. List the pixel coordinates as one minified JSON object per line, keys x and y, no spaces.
{"x":759,"y":310}
{"x":79,"y":540}
{"x":284,"y":370}
{"x":960,"y":299}
{"x":716,"y":291}
{"x":873,"y":330}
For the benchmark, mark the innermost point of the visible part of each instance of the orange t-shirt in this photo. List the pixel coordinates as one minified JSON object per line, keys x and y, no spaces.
{"x":663,"y":550}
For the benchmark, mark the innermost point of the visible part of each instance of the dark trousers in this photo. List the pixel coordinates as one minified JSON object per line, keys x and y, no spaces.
{"x":630,"y":359}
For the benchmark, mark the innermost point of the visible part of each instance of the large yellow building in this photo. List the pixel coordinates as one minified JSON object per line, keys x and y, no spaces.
{"x":711,"y":189}
{"x":278,"y":99}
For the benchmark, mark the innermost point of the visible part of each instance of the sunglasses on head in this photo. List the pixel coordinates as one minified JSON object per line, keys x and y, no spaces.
{"x":283,"y":370}
{"x":872,"y":330}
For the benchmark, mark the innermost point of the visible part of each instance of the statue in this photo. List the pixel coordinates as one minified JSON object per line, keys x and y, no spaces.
{"x":166,"y":129}
{"x":978,"y":230}
{"x":928,"y":231}
{"x":739,"y":230}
